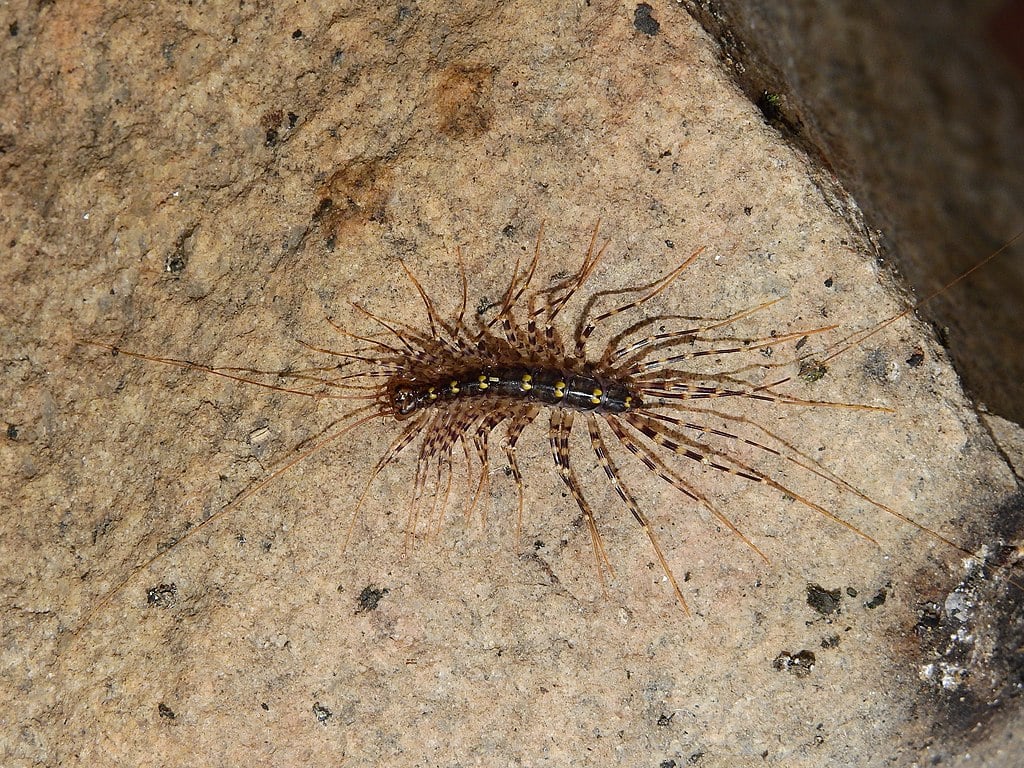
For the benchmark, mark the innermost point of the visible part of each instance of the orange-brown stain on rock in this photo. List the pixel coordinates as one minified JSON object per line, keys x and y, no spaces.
{"x":463,"y":101}
{"x":353,"y":195}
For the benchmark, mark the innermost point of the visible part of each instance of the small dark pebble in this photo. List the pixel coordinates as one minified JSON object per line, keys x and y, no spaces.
{"x":644,"y":21}
{"x":370,"y":597}
{"x":824,"y":601}
{"x":877,"y":600}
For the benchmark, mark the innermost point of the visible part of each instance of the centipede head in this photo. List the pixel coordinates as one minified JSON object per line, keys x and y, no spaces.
{"x":403,"y":400}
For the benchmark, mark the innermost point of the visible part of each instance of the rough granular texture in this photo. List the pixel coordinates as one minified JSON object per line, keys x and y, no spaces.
{"x":220,"y":184}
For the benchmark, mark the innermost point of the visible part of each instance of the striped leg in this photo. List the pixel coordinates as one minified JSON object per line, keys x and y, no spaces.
{"x":585,"y":329}
{"x":680,"y":445}
{"x":399,"y":444}
{"x":627,"y":498}
{"x":515,"y":428}
{"x":560,"y":429}
{"x":653,"y":462}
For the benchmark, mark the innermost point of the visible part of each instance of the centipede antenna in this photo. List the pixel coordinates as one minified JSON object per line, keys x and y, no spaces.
{"x":859,"y":337}
{"x":188,"y":365}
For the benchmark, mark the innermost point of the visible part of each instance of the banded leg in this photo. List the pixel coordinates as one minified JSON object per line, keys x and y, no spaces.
{"x":419,"y":483}
{"x":481,"y":440}
{"x":627,"y":498}
{"x":399,"y":444}
{"x":515,"y":428}
{"x":680,"y":445}
{"x":574,"y":283}
{"x":612,"y":355}
{"x":653,"y":462}
{"x":799,"y":458}
{"x":559,"y":431}
{"x":513,"y":295}
{"x":584,"y":331}
{"x":641,"y":366}
{"x":455,"y":342}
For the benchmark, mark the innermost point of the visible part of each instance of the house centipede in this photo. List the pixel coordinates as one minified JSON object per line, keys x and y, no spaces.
{"x":451,"y":385}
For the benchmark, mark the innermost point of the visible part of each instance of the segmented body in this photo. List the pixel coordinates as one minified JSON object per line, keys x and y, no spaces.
{"x":557,"y":388}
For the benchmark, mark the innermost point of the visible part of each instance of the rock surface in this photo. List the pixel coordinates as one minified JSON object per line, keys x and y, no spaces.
{"x":221,"y":184}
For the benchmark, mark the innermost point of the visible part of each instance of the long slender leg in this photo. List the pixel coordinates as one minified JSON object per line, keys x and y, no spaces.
{"x":614,"y":353}
{"x":464,"y":337}
{"x":419,"y":483}
{"x":482,"y":442}
{"x":560,"y":429}
{"x":749,"y":345}
{"x":446,"y":428}
{"x":654,"y":463}
{"x":455,"y":341}
{"x":799,"y":458}
{"x":512,"y":295}
{"x":627,"y":498}
{"x":481,"y":449}
{"x":682,"y":446}
{"x":218,"y":515}
{"x":575,"y":283}
{"x":657,"y":287}
{"x":681,"y":386}
{"x":446,"y":461}
{"x":515,"y":428}
{"x":399,"y":444}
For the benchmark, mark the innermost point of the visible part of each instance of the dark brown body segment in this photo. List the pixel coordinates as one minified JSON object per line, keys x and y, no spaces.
{"x":555,"y":388}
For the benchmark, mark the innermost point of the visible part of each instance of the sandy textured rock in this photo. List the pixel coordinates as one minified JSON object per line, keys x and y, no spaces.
{"x":214,"y":184}
{"x":917,"y":108}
